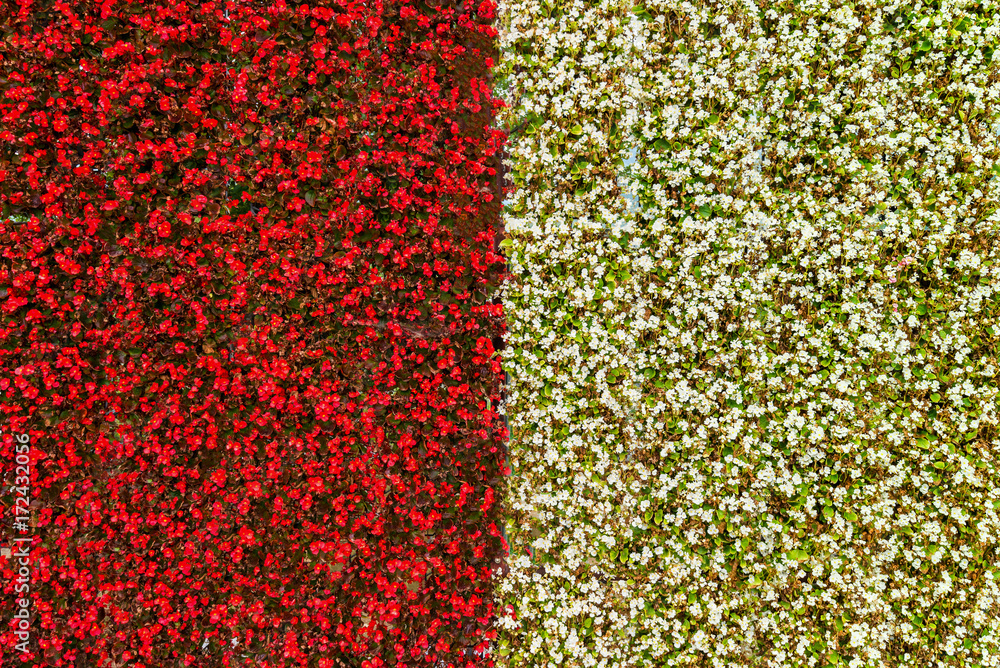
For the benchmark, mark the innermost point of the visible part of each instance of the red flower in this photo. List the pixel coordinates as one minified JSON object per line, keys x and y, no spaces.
{"x":312,"y":355}
{"x":488,"y":501}
{"x":464,"y":491}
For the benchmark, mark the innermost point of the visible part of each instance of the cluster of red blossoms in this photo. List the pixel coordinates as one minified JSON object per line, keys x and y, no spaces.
{"x":248,"y":263}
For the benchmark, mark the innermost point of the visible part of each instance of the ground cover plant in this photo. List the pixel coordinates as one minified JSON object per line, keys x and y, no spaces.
{"x":247,"y":265}
{"x":753,"y":417}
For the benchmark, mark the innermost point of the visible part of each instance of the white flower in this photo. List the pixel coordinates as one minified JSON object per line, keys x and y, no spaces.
{"x":728,"y":293}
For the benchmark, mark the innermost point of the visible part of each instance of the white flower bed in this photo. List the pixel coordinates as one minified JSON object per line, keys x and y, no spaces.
{"x":754,"y":418}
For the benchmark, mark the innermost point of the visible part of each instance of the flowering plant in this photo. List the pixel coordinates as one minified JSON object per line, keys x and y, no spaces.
{"x":726,"y":448}
{"x":248,"y":266}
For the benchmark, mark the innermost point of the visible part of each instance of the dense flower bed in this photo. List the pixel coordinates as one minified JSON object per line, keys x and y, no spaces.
{"x":247,"y":263}
{"x":754,"y":419}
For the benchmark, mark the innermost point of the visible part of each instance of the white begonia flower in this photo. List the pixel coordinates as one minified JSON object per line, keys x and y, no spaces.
{"x":714,"y":321}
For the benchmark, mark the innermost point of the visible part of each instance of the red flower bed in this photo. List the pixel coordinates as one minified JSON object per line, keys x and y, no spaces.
{"x":248,"y":272}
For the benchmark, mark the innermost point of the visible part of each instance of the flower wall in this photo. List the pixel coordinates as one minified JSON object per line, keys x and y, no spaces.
{"x":754,"y":417}
{"x":248,"y":264}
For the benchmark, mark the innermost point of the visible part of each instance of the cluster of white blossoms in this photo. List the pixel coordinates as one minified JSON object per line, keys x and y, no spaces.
{"x":753,"y":398}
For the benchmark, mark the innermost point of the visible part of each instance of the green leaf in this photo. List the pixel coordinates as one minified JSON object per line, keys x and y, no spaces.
{"x":850,"y":517}
{"x":935,"y":397}
{"x":576,"y":129}
{"x":713,"y":119}
{"x":798,"y":555}
{"x":705,"y":210}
